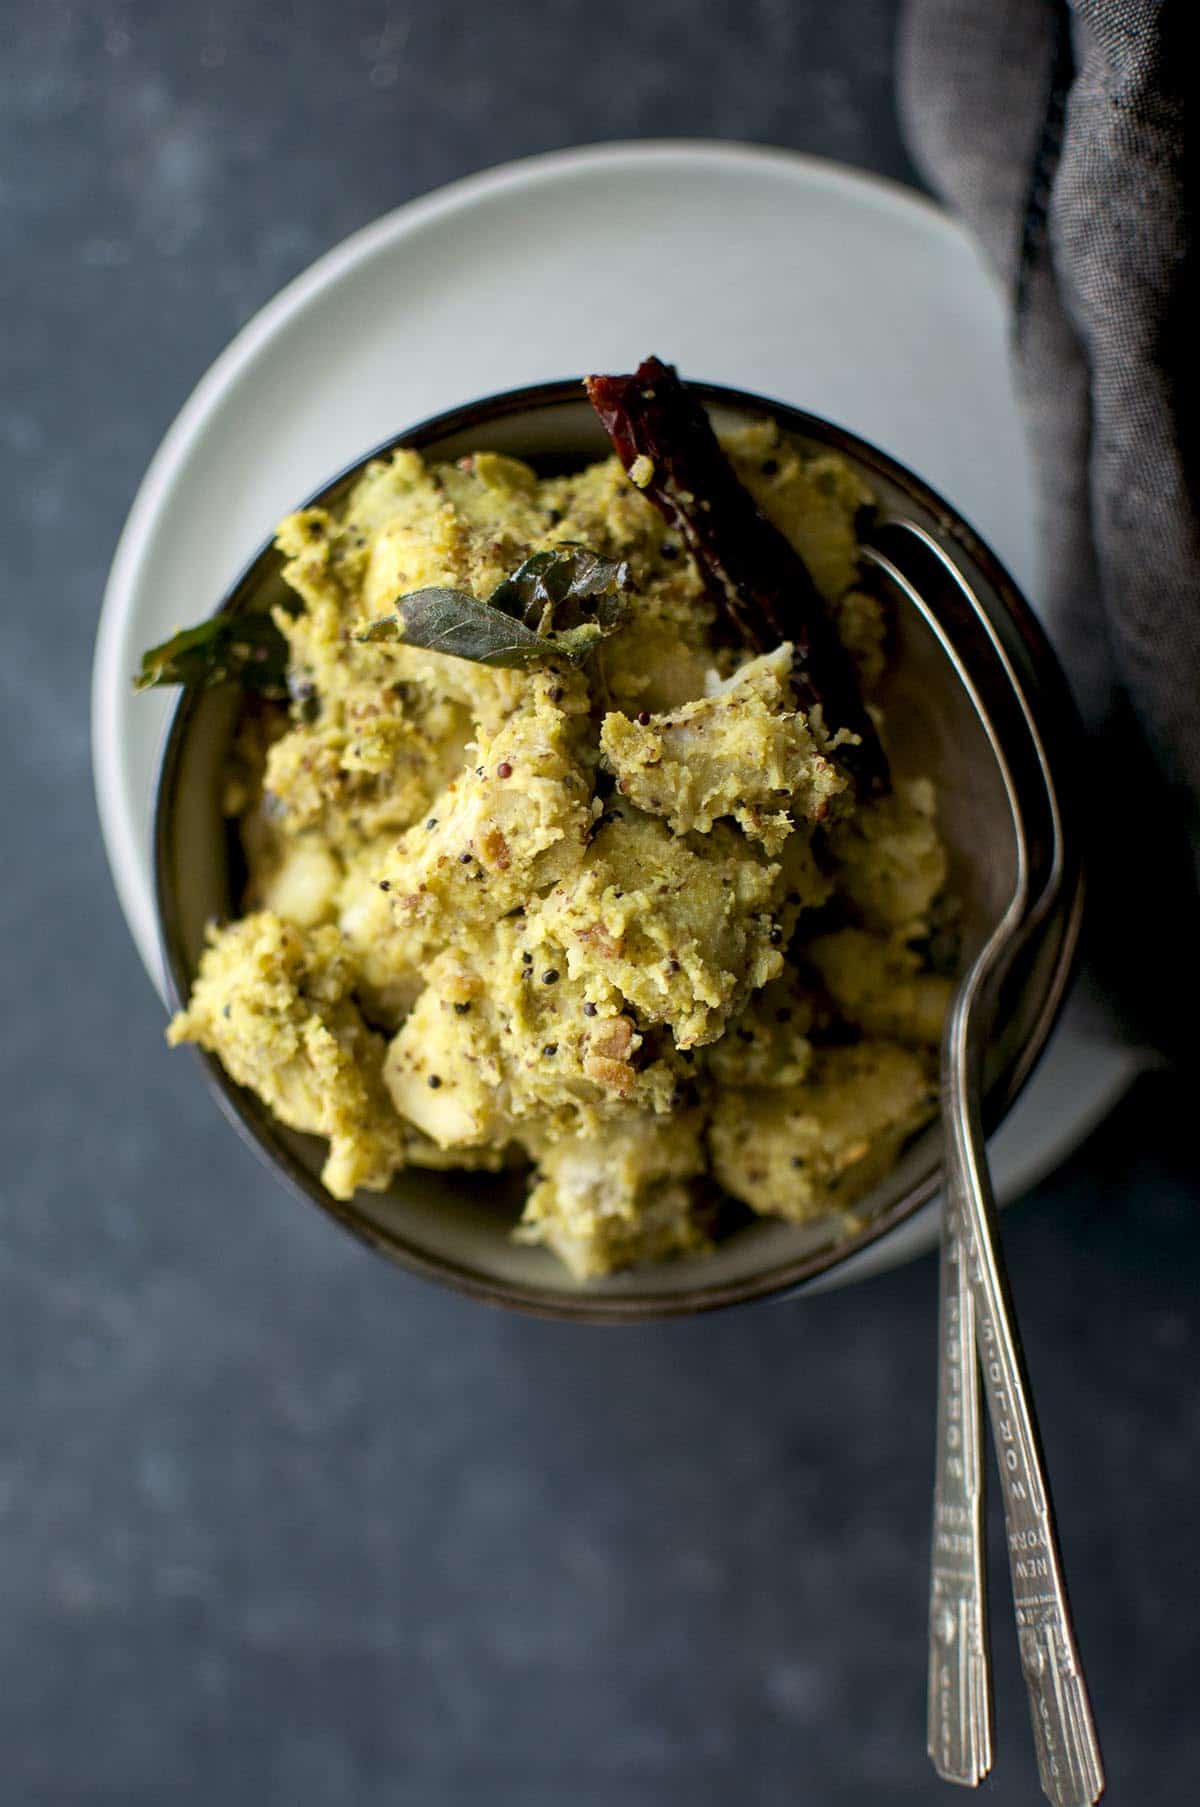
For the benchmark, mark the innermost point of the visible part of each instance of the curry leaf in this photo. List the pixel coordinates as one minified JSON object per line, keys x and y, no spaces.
{"x":453,"y":622}
{"x":246,"y":648}
{"x":559,"y":602}
{"x":552,"y":589}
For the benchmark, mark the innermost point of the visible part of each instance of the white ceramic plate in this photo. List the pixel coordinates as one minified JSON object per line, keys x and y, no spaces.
{"x":772,"y":272}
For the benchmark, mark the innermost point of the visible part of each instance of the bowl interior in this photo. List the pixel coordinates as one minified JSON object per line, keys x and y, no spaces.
{"x":456,"y":1226}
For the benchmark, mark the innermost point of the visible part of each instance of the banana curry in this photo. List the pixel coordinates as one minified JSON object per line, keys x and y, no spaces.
{"x":626,"y":918}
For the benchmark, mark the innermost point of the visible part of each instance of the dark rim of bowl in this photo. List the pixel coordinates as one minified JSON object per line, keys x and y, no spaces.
{"x":1055,"y":714}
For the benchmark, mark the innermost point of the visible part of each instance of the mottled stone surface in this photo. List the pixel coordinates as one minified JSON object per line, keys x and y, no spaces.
{"x":278,"y":1524}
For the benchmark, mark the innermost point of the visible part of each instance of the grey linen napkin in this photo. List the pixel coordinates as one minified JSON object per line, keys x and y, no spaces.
{"x":1057,"y":130}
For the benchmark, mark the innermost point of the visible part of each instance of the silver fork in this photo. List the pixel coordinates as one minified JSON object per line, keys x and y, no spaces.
{"x":976,"y":1320}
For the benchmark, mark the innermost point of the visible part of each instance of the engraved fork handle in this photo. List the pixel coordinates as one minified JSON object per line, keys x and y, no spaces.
{"x":1068,"y":1752}
{"x":1064,"y":1735}
{"x":960,"y":1695}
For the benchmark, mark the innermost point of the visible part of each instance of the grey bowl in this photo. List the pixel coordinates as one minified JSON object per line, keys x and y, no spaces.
{"x":455,"y":1227}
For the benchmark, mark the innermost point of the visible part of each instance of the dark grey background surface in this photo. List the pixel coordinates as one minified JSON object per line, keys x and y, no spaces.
{"x":278,"y":1524}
